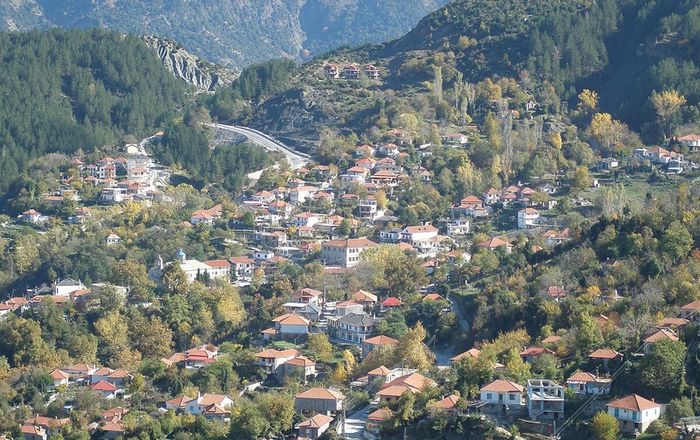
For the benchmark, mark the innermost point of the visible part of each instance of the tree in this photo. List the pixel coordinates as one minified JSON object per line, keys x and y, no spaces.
{"x":587,"y":101}
{"x":605,"y":426}
{"x":582,"y":178}
{"x":413,"y":351}
{"x":677,"y":241}
{"x":134,"y":276}
{"x":151,"y":337}
{"x":662,"y":368}
{"x":247,"y":422}
{"x":114,"y":346}
{"x":679,"y":408}
{"x":588,"y":334}
{"x":174,"y":279}
{"x":607,"y":132}
{"x":319,"y":347}
{"x":667,"y":104}
{"x":393,"y":324}
{"x":278,"y":410}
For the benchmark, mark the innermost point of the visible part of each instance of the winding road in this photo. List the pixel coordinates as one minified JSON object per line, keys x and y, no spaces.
{"x":295,"y":158}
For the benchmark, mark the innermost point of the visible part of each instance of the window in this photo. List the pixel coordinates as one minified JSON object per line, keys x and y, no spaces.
{"x":488,"y":396}
{"x":511,"y":396}
{"x":617,"y":412}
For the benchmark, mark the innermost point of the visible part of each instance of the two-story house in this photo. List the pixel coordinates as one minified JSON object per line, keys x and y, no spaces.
{"x":352,"y":327}
{"x":501,"y":393}
{"x":635,"y":413}
{"x":344,"y":253}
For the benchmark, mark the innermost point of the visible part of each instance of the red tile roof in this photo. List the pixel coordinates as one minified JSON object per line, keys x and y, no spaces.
{"x":634,"y":402}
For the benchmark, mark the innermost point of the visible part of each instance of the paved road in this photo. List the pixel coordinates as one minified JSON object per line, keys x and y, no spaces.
{"x":355,"y":424}
{"x":295,"y":158}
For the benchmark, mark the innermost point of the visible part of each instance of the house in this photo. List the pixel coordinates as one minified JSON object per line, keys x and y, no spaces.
{"x":314,"y":427}
{"x":557,"y":237}
{"x":370,"y":344}
{"x":455,"y":139}
{"x":691,"y":311}
{"x":271,"y":360}
{"x":605,"y":357}
{"x":635,"y":413}
{"x":178,"y":404}
{"x":111,"y":196}
{"x":350,"y":71}
{"x":242,"y":266}
{"x":367,"y":207}
{"x":365,"y":298}
{"x":67,"y":286}
{"x":352,"y":327}
{"x":300,"y":364}
{"x":502,"y":393}
{"x":372,"y":72}
{"x":106,"y":389}
{"x":608,"y":164}
{"x":472,"y":353}
{"x":365,"y":150}
{"x":412,"y":234}
{"x":588,"y":383}
{"x":300,"y":194}
{"x":545,"y":400}
{"x":659,"y":335}
{"x":448,"y":403}
{"x":211,"y":404}
{"x":307,"y":296}
{"x":692,"y":141}
{"x":390,"y":304}
{"x":320,"y":400}
{"x":460,"y":226}
{"x":290,"y":325}
{"x":112,"y":430}
{"x":530,"y":353}
{"x":414,"y":383}
{"x":344,"y":253}
{"x":218,"y":269}
{"x":79,"y":371}
{"x":528,"y":218}
{"x":194,"y":269}
{"x":307,"y":219}
{"x":671,"y":323}
{"x":346,"y":307}
{"x":495,"y":243}
{"x":52,"y":425}
{"x":33,"y":432}
{"x":59,"y":377}
{"x":207,"y":216}
{"x":113,"y":239}
{"x":376,"y":419}
{"x":331,"y":71}
{"x":118,"y":378}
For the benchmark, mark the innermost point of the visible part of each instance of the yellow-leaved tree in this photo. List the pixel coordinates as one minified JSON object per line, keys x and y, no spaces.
{"x":667,"y":104}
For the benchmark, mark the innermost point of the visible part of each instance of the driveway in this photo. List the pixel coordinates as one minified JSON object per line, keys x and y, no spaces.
{"x":355,"y":424}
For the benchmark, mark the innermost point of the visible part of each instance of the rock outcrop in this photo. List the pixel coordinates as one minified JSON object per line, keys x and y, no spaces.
{"x":204,"y":76}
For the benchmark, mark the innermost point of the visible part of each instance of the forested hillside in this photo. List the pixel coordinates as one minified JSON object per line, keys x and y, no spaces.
{"x":61,"y":91}
{"x":233,"y":33}
{"x":624,"y":49}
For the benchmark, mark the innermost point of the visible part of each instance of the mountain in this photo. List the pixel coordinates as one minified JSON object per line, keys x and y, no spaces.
{"x":624,"y":49}
{"x":232,"y":33}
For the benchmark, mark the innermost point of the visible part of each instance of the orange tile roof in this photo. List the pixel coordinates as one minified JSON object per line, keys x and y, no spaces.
{"x":605,"y":353}
{"x":582,"y":376}
{"x":381,"y":340}
{"x":415,"y":381}
{"x":660,"y":335}
{"x":395,"y":391}
{"x":379,"y":371}
{"x":320,"y":393}
{"x":316,"y":421}
{"x":211,"y":399}
{"x":503,"y":386}
{"x":276,"y":354}
{"x":634,"y":402}
{"x":381,"y":415}
{"x":180,"y":401}
{"x":472,"y":353}
{"x":448,"y":402}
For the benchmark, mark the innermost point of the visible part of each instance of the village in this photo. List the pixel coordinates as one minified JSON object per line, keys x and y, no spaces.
{"x":336,"y":217}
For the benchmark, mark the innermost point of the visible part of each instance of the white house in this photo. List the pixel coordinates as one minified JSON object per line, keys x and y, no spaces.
{"x":691,"y":141}
{"x":588,"y":383}
{"x":113,"y":239}
{"x":271,"y":359}
{"x":635,"y":413}
{"x":501,"y":392}
{"x":291,"y":325}
{"x":300,"y":194}
{"x":242,"y":266}
{"x":67,"y":286}
{"x":418,"y":233}
{"x":200,"y":404}
{"x":528,"y":218}
{"x":344,"y":253}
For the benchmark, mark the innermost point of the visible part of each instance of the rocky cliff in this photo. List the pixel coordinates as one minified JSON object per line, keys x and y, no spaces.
{"x":188,"y":67}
